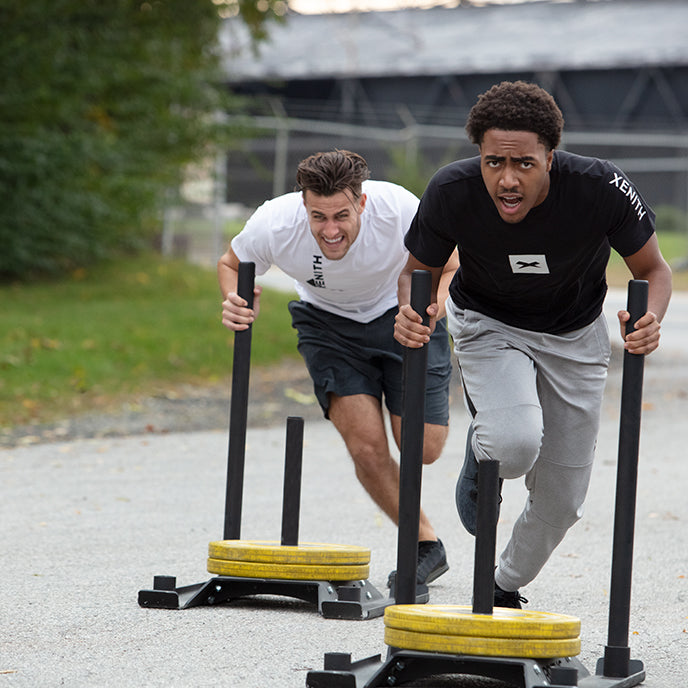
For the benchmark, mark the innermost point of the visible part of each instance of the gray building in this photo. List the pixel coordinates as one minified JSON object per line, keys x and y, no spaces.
{"x":397,"y":86}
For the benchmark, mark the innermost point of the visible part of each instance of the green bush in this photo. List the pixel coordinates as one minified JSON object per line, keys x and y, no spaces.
{"x":671,"y":219}
{"x":102,"y":105}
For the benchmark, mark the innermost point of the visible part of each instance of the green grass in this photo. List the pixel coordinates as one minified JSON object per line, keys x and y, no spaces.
{"x":141,"y":327}
{"x":673,"y":245}
{"x":136,"y":327}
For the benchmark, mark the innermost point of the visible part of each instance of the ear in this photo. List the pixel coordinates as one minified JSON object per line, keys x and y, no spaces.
{"x":361,"y":202}
{"x":550,"y":157}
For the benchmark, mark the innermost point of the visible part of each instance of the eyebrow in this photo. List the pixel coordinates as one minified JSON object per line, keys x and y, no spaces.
{"x":499,"y":158}
{"x":343,"y":211}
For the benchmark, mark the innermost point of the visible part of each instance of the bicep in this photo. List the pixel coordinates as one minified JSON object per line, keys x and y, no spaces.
{"x":452,"y":265}
{"x":647,"y":260}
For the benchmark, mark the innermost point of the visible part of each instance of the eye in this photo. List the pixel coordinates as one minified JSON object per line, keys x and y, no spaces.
{"x":526,"y":165}
{"x":494,"y":164}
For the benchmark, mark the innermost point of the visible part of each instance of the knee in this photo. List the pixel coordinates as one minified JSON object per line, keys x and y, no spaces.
{"x":434,"y":439}
{"x":369,"y":458}
{"x":511,"y":436}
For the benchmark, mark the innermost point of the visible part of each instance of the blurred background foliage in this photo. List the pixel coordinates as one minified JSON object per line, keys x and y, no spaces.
{"x":102,"y":106}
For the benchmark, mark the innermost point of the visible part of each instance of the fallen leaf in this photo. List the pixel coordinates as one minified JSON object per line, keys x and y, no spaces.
{"x":299,"y":397}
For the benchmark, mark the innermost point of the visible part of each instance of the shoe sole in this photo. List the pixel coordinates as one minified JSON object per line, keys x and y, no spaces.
{"x":470,"y":527}
{"x":433,"y":575}
{"x":436,"y":573}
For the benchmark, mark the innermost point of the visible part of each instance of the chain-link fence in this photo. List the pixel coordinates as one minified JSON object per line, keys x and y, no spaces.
{"x":264,"y":166}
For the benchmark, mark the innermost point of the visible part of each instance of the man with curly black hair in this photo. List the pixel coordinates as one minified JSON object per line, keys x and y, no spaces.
{"x":534,"y":227}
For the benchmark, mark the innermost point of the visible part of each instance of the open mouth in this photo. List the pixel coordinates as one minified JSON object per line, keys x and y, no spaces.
{"x":510,"y":203}
{"x":332,"y":246}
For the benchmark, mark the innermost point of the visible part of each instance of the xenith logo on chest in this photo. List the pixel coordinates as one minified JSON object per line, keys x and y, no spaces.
{"x":317,"y":280}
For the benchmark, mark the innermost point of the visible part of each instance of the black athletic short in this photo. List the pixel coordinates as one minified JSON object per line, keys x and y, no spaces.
{"x":345,"y":357}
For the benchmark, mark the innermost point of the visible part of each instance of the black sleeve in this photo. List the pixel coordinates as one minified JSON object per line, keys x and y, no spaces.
{"x":633,"y":221}
{"x":429,"y":238}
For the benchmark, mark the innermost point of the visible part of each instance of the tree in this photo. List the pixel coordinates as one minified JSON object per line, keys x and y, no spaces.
{"x":102,"y":105}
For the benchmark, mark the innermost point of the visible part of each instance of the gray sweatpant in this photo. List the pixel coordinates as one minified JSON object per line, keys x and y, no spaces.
{"x":536,"y":400}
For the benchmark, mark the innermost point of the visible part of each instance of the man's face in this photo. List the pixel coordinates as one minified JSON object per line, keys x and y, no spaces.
{"x":515,"y":167}
{"x":335,"y":221}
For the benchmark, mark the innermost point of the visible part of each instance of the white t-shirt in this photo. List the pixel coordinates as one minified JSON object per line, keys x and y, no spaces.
{"x":363,"y":284}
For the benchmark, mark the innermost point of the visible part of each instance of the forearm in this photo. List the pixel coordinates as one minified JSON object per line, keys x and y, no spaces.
{"x":649,"y":264}
{"x":405,"y":279}
{"x":227,"y":273}
{"x":659,"y":292}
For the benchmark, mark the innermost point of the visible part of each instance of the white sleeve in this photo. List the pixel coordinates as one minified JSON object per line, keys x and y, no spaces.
{"x":254,"y":242}
{"x":408,"y":206}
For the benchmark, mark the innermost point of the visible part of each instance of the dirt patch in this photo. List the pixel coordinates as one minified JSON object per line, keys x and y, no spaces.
{"x":275,"y":392}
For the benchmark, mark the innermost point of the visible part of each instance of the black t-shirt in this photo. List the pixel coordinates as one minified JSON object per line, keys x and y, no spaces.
{"x":547,"y":272}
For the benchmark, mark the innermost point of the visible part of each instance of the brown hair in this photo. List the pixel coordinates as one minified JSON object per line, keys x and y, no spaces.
{"x":516,"y":106}
{"x":326,"y":174}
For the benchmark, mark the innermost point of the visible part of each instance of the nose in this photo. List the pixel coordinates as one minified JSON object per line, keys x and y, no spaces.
{"x":509,"y":178}
{"x":331,"y":228}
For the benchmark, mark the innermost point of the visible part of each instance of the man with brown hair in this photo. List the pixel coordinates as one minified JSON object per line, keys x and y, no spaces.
{"x":341,"y":237}
{"x":533,"y":227}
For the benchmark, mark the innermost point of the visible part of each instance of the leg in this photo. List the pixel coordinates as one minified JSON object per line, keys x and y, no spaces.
{"x":523,"y":389}
{"x":434,"y":438}
{"x":436,"y":428}
{"x":358,"y":419}
{"x":507,"y":427}
{"x":353,"y":367}
{"x":571,"y":377}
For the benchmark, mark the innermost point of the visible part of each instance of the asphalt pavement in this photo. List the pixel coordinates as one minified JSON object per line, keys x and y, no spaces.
{"x":87,"y":524}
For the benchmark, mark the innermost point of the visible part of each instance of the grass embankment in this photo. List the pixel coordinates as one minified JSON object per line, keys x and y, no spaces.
{"x":133,"y":328}
{"x":137,"y":328}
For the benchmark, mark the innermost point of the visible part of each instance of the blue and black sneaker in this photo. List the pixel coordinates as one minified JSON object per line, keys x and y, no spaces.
{"x":467,"y":488}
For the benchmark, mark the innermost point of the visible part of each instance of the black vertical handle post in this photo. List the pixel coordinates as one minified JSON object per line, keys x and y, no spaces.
{"x":485,"y":537}
{"x":414,"y":368}
{"x":291,"y":496}
{"x":238,"y":411}
{"x":617,"y":653}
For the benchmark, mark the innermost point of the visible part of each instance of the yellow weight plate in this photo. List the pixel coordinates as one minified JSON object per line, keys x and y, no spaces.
{"x":273,"y":553}
{"x":252,"y":569}
{"x":486,"y":647}
{"x":460,"y":620}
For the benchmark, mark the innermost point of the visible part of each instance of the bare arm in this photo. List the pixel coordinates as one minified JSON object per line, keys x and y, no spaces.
{"x":235,"y":313}
{"x":648,"y":264}
{"x":450,"y":268}
{"x":408,"y":328}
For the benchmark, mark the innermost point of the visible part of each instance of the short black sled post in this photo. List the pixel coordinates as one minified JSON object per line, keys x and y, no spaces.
{"x":333,"y":577}
{"x":429,"y":641}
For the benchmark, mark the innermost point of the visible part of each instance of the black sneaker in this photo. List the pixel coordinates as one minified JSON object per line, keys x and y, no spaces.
{"x":432,"y":563}
{"x":467,"y":488}
{"x":511,"y":600}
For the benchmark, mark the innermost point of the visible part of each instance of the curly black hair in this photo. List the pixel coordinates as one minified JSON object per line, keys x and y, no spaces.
{"x":326,"y":174}
{"x":516,"y":106}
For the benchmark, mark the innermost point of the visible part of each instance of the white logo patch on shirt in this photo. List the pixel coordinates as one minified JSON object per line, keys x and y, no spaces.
{"x":531,"y":264}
